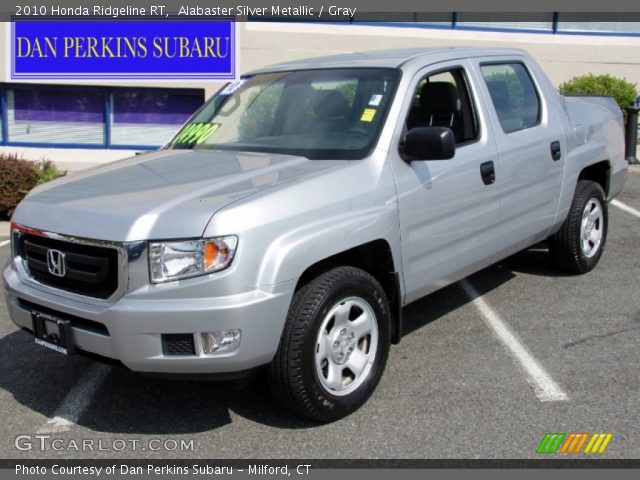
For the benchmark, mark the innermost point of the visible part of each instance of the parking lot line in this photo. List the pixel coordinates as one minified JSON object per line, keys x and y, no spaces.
{"x":77,"y":400}
{"x":625,"y":208}
{"x":4,"y":242}
{"x":545,"y":388}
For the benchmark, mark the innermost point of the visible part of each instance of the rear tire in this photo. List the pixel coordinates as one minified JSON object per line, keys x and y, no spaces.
{"x":334,"y":346}
{"x":578,"y":245}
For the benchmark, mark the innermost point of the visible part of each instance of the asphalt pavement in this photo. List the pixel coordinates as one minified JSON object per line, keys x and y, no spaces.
{"x":453,"y":388}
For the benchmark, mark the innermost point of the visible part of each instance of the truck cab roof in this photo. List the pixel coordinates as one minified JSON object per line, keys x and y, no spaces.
{"x":389,"y":58}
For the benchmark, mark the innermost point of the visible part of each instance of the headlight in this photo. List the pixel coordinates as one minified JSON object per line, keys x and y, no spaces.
{"x":190,"y":258}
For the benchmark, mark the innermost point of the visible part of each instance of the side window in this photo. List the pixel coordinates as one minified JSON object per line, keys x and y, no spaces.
{"x":513,"y":95}
{"x":443,"y":99}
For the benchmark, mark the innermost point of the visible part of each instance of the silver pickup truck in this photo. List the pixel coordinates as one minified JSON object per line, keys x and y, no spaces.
{"x":290,"y":220}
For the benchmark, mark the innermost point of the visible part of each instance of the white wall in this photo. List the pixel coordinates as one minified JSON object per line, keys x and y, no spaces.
{"x":562,"y":56}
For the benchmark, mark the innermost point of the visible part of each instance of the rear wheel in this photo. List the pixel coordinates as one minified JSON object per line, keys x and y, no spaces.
{"x":578,"y":245}
{"x":334,"y":346}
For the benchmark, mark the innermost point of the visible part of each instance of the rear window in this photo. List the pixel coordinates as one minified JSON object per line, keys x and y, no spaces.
{"x":513,"y":94}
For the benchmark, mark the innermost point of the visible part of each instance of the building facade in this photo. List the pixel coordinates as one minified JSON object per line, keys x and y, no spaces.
{"x":83,"y":123}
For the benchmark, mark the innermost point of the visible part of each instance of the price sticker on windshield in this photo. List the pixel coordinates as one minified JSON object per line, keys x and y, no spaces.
{"x":375,"y":100}
{"x":368,"y":114}
{"x":195,"y":133}
{"x":232,"y":87}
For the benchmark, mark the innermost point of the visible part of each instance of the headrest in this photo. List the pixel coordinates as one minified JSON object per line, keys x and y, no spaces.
{"x":438,"y":98}
{"x":329,"y":104}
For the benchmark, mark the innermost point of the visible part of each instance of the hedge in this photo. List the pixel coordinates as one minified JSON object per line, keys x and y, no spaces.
{"x":18,"y":176}
{"x":623,"y":91}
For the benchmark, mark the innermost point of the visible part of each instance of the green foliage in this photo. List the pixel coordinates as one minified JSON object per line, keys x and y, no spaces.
{"x":514,"y":85}
{"x":46,"y":171}
{"x":18,"y":176}
{"x":258,"y":118}
{"x":348,"y":89}
{"x":259,"y":115}
{"x":623,"y":91}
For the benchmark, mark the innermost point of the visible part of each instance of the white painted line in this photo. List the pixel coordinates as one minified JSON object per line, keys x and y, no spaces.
{"x":4,"y":242}
{"x":77,"y":400}
{"x":545,"y":388}
{"x":625,"y":208}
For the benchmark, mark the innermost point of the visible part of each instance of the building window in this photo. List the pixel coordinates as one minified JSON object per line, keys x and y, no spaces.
{"x":537,"y":21}
{"x":610,"y":22}
{"x":596,"y":23}
{"x":416,"y":19}
{"x":138,"y":118}
{"x":149,"y":117}
{"x":55,"y":116}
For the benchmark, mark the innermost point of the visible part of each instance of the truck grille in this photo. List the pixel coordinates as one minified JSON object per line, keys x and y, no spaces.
{"x":87,"y":269}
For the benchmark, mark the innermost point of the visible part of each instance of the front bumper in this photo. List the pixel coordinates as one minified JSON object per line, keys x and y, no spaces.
{"x":132,"y":326}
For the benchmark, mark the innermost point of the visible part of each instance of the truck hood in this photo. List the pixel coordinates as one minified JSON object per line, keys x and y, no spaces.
{"x":165,"y":194}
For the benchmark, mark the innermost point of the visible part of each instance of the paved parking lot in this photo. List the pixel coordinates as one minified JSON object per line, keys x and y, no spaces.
{"x":453,"y":388}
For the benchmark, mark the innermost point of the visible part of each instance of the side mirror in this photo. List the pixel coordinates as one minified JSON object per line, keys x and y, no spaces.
{"x":430,"y":143}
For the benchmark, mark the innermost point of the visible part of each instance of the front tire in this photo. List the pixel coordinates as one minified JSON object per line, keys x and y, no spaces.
{"x":334,"y":346}
{"x":578,"y":245}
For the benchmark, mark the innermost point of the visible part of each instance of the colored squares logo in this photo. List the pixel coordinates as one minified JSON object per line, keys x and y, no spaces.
{"x":574,"y":443}
{"x":550,"y":443}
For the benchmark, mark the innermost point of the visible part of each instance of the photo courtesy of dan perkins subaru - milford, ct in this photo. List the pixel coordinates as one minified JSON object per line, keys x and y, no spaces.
{"x":299,"y":210}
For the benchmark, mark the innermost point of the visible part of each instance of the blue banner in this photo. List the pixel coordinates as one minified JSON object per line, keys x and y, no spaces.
{"x":123,"y":50}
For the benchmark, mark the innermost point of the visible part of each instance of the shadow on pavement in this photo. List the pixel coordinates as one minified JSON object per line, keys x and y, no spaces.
{"x":127,"y":402}
{"x":534,"y":261}
{"x":130,"y":403}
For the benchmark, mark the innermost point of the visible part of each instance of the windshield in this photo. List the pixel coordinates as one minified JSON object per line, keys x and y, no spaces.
{"x":318,"y":114}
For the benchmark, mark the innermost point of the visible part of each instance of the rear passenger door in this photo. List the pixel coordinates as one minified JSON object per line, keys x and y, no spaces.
{"x":448,"y":213}
{"x":531,"y":148}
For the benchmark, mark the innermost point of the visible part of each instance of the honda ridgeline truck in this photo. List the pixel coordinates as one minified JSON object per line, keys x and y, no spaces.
{"x":290,"y":220}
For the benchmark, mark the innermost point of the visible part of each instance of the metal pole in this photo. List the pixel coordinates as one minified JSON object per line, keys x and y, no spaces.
{"x":631,"y":143}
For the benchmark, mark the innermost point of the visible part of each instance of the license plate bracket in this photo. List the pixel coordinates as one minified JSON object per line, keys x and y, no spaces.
{"x":53,"y":333}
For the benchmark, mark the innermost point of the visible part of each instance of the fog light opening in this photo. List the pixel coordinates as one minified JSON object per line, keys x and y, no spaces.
{"x":220,"y":341}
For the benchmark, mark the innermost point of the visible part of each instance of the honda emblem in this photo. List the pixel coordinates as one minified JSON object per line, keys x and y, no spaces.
{"x":56,"y":263}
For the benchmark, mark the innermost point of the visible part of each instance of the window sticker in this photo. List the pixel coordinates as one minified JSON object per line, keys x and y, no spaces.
{"x":232,"y":87}
{"x":368,"y":114}
{"x":196,"y":133}
{"x":375,"y":100}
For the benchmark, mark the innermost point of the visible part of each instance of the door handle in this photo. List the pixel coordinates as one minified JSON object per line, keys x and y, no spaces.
{"x":556,"y":153}
{"x":488,"y":173}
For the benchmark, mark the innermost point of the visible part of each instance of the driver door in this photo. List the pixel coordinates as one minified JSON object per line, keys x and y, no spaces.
{"x":449,"y":209}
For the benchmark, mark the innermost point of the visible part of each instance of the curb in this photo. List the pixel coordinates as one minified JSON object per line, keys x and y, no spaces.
{"x":5,"y":229}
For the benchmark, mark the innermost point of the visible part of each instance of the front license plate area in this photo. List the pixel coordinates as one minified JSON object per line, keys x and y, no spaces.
{"x":53,"y":333}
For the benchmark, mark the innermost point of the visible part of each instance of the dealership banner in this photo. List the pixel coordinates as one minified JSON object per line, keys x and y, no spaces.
{"x":101,"y":49}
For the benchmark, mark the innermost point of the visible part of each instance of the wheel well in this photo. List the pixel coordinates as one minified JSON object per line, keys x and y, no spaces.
{"x":599,"y":173}
{"x":375,"y":258}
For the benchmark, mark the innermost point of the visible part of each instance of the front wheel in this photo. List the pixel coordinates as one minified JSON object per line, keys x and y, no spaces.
{"x":578,"y":245}
{"x":334,"y":346}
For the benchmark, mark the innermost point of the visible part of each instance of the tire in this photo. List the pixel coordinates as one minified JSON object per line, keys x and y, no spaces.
{"x":338,"y":322}
{"x":578,"y":245}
